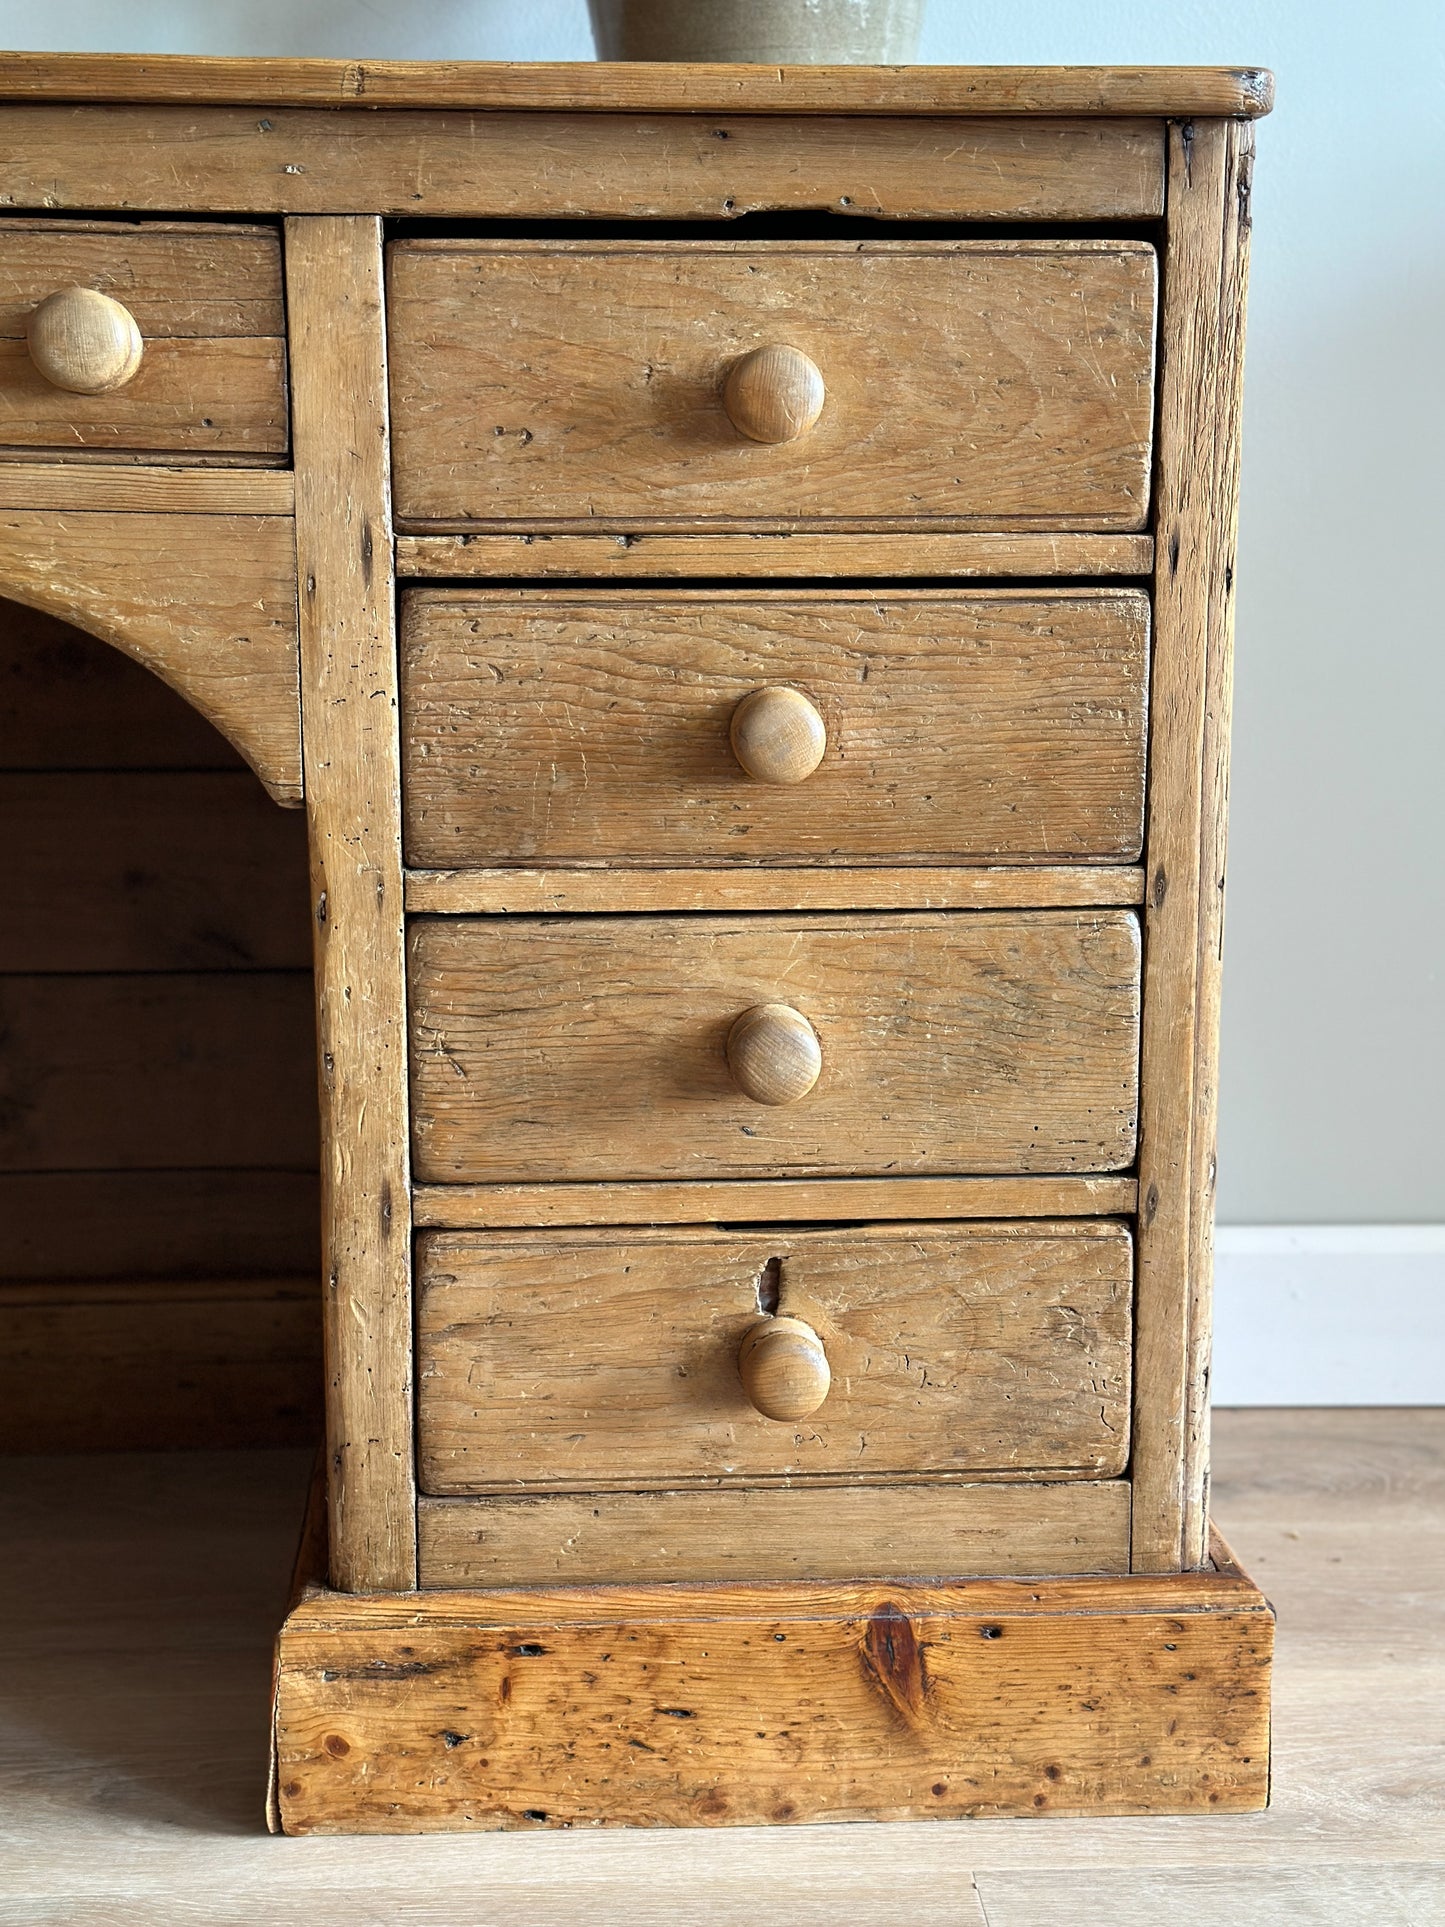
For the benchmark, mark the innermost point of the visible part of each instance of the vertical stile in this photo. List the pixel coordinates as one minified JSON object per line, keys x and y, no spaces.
{"x":1198,"y":438}
{"x":351,"y":756}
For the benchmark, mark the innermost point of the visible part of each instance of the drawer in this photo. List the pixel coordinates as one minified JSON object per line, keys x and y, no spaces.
{"x":998,"y":383}
{"x":611,"y":1048}
{"x":206,"y":303}
{"x":574,"y":727}
{"x":592,"y":1360}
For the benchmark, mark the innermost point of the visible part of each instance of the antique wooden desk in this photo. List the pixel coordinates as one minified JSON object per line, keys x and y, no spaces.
{"x":737,"y":566}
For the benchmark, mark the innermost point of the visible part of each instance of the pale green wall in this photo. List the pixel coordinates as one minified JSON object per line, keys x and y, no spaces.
{"x":1334,"y":1029}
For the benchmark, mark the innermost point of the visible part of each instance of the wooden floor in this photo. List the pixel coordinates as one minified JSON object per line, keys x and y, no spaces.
{"x":140,"y":1594}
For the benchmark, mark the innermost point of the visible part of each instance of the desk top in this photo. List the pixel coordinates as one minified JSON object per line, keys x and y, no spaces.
{"x":640,"y":87}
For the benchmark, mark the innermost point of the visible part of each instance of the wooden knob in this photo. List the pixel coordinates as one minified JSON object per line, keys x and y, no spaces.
{"x":774,"y":1054}
{"x":773,"y":394}
{"x":778,"y":736}
{"x":82,"y":340}
{"x":784,"y":1368}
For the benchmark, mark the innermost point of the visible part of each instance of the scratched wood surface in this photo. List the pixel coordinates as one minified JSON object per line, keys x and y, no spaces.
{"x":207,"y":301}
{"x":776,"y":557}
{"x":640,"y":165}
{"x":751,"y":1532}
{"x":1184,"y":860}
{"x":991,"y":384}
{"x":689,"y":87}
{"x":208,"y":602}
{"x":600,"y":890}
{"x":140,"y":1597}
{"x":348,"y":657}
{"x":578,"y":1047}
{"x":873,"y":1730}
{"x":571,"y":727}
{"x":768,"y":1201}
{"x":610,"y":1359}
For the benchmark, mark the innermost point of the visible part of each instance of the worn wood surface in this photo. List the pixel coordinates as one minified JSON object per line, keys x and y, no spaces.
{"x":207,"y":302}
{"x":774,"y":557}
{"x":1213,"y":839}
{"x":818,"y":887}
{"x":348,"y":656}
{"x":1199,"y":400}
{"x":131,"y":1365}
{"x":683,"y":87}
{"x":564,"y":726}
{"x":68,"y":701}
{"x":635,"y":1705}
{"x":756,"y":1531}
{"x":187,"y":397}
{"x":207,"y":602}
{"x":140,"y":1597}
{"x":592,"y":1047}
{"x":162,"y":870}
{"x":157,"y":490}
{"x":601,"y":364}
{"x":481,"y":1207}
{"x":182,"y":280}
{"x":539,"y":165}
{"x":595,"y":1360}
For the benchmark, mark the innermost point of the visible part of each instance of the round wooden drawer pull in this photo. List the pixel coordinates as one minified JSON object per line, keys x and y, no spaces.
{"x":778,"y":736}
{"x":784,"y":1368}
{"x":82,"y":340}
{"x":774,"y":1054}
{"x":773,"y":394}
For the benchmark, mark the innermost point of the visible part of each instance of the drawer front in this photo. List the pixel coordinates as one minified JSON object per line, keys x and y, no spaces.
{"x":598,"y":1047}
{"x":597,"y":1360}
{"x":557,"y":727}
{"x":972,"y":383}
{"x":206,"y":301}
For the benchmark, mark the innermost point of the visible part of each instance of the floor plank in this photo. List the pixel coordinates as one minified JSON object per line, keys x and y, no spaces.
{"x":139,"y":1594}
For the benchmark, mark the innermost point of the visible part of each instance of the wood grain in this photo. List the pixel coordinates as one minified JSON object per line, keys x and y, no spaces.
{"x":207,"y":602}
{"x":684,"y":87}
{"x":1213,"y":841}
{"x":799,"y":553}
{"x":130,"y":1366}
{"x":1199,"y":402}
{"x":980,"y":384}
{"x":593,"y":1047}
{"x":213,"y":398}
{"x":190,"y":280}
{"x":1031,"y":1699}
{"x":84,"y":341}
{"x":348,"y":654}
{"x":171,"y":1071}
{"x":904,"y":887}
{"x":70,"y":701}
{"x":564,"y":726}
{"x":639,"y":165}
{"x":62,"y":1228}
{"x":207,"y":302}
{"x":195,"y":491}
{"x":756,"y":1532}
{"x":174,"y":870}
{"x":484,"y":1207}
{"x":593,"y":1361}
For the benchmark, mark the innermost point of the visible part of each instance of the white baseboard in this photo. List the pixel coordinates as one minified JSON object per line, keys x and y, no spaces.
{"x":1347,"y":1314}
